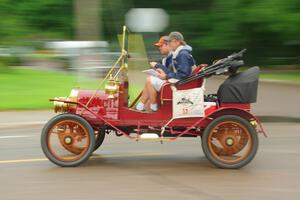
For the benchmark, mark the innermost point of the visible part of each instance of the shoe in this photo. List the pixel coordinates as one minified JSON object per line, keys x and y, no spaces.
{"x":140,"y":106}
{"x":153,"y":107}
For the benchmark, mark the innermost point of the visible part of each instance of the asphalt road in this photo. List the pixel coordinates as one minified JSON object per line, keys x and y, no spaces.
{"x":125,"y":169}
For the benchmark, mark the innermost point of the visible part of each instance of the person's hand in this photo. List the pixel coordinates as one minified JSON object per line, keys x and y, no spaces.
{"x":153,"y":64}
{"x":203,"y":65}
{"x":161,"y":74}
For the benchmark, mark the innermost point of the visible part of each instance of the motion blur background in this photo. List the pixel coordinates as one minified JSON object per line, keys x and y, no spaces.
{"x":41,"y":35}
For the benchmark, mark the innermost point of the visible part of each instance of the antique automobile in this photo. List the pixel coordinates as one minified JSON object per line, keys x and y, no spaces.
{"x":228,"y":131}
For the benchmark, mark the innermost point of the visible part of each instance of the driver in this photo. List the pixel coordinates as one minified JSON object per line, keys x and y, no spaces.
{"x":149,"y":91}
{"x":178,"y":65}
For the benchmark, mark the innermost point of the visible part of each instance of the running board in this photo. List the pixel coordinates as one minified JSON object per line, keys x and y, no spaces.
{"x":153,"y":137}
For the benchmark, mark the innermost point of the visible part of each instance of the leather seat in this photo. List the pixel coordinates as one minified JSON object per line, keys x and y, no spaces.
{"x":166,"y":91}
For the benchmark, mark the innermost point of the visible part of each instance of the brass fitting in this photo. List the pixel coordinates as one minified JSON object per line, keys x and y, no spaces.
{"x":62,"y":106}
{"x":112,"y":87}
{"x":253,"y":123}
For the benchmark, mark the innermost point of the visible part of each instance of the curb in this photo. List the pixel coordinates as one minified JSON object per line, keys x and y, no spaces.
{"x":21,"y":124}
{"x":285,"y":82}
{"x":278,"y":119}
{"x":266,"y":80}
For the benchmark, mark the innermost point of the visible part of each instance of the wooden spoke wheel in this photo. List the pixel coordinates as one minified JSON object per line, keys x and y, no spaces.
{"x":230,"y":142}
{"x":68,"y":140}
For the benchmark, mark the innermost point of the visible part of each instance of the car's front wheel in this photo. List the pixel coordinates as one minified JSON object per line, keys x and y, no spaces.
{"x":67,"y":140}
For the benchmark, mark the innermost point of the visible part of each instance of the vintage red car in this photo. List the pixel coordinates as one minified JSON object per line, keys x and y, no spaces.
{"x":223,"y":121}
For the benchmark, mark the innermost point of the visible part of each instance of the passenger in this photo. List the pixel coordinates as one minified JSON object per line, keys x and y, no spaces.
{"x":183,"y":60}
{"x":178,"y":65}
{"x":164,"y":50}
{"x":166,"y":63}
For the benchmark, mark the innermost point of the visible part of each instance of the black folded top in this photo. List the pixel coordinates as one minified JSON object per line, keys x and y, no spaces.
{"x":240,"y":87}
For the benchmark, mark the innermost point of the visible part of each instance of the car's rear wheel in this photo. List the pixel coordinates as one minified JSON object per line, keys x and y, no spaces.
{"x":230,"y":142}
{"x":68,"y":140}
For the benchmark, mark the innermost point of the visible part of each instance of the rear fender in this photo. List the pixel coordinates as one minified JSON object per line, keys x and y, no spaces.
{"x":241,"y":113}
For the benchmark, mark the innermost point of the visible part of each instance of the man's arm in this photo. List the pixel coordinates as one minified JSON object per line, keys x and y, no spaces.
{"x":164,"y":68}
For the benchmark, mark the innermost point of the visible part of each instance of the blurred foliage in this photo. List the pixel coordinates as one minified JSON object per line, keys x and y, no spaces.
{"x":268,"y":29}
{"x":214,"y":28}
{"x":24,"y":21}
{"x":8,"y":61}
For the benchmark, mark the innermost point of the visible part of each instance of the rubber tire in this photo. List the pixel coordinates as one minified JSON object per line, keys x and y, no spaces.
{"x":219,"y":163}
{"x":54,"y":121}
{"x":100,"y":139}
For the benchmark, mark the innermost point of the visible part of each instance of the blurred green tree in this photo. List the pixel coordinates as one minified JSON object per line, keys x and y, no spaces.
{"x":268,"y":28}
{"x":27,"y":20}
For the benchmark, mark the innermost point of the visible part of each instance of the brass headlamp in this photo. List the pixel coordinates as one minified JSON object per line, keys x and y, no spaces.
{"x":112,"y":87}
{"x":62,"y":106}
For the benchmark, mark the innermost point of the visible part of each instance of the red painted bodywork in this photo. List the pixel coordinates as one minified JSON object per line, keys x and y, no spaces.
{"x":117,"y":114}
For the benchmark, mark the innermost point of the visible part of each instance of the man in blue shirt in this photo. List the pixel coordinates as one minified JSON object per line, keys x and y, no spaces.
{"x":150,"y":88}
{"x":178,"y":65}
{"x":182,"y":58}
{"x":164,"y":49}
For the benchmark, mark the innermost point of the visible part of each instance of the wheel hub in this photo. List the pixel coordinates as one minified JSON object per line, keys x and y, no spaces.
{"x":229,"y":141}
{"x":68,"y":140}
